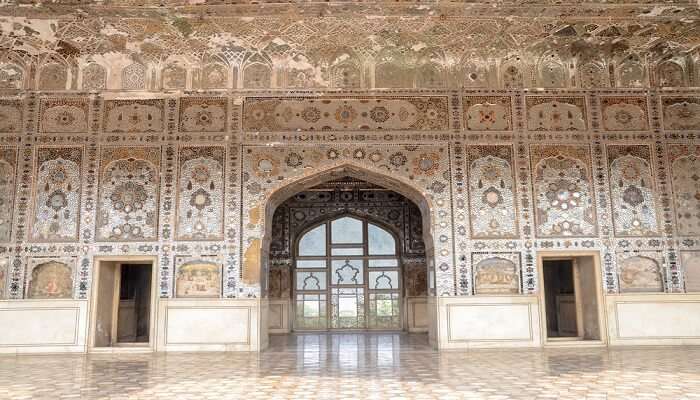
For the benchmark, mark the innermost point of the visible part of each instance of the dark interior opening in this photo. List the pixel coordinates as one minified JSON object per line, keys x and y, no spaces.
{"x":560,"y":298}
{"x":133,"y":318}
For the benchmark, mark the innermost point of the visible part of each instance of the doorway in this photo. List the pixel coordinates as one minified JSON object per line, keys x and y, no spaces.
{"x":571,"y":298}
{"x":123,"y":298}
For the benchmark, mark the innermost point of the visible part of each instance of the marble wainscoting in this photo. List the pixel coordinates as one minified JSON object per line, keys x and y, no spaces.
{"x":43,"y":326}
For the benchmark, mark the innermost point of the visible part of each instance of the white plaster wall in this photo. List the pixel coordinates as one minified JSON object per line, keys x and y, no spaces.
{"x":653,"y":319}
{"x":209,"y":325}
{"x":43,"y":326}
{"x":489,"y":321}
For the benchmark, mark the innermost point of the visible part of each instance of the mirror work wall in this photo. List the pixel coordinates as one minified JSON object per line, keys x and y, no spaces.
{"x":503,"y":174}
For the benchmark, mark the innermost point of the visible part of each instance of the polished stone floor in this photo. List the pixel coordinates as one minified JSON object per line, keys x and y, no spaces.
{"x":359,"y":366}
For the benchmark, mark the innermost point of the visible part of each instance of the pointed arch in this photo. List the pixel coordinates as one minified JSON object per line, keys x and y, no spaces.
{"x":552,"y":71}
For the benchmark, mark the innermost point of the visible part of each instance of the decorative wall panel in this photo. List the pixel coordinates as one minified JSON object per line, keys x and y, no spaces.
{"x":57,"y":191}
{"x":198,"y":276}
{"x":343,"y":114}
{"x":556,"y":113}
{"x":563,"y":189}
{"x":64,"y":115}
{"x":681,"y":113}
{"x":496,"y":273}
{"x":487,"y":113}
{"x":128,"y":199}
{"x":625,"y":113}
{"x":4,"y":276}
{"x":201,"y":196}
{"x":492,"y":192}
{"x":641,"y":272}
{"x":127,"y":116}
{"x":691,"y":267}
{"x":203,"y":114}
{"x":8,"y":162}
{"x":50,"y":278}
{"x":685,"y":179}
{"x":632,"y":190}
{"x":11,"y":115}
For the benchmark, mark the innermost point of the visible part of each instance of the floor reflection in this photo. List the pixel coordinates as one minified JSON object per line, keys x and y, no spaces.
{"x":359,"y":366}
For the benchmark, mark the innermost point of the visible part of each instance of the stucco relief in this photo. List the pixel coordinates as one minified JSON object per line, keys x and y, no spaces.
{"x":50,"y":278}
{"x":342,"y":114}
{"x":632,"y":190}
{"x":556,"y":113}
{"x":8,"y":162}
{"x":563,"y":191}
{"x":681,"y":113}
{"x":639,"y":274}
{"x":128,"y":198}
{"x":57,"y":194}
{"x":127,"y":116}
{"x":492,"y":192}
{"x":625,"y":113}
{"x":487,"y":113}
{"x":201,"y":194}
{"x":10,"y":115}
{"x":64,"y":115}
{"x":685,"y":180}
{"x":198,"y":277}
{"x":94,"y":77}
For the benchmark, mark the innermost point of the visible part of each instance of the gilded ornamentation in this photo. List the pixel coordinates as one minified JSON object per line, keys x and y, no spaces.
{"x":197,"y":277}
{"x":496,"y":273}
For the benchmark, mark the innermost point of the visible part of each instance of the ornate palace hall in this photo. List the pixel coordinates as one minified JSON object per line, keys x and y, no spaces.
{"x":359,"y":366}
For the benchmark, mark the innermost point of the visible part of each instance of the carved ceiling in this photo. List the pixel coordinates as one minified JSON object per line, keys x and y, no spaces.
{"x":468,"y":43}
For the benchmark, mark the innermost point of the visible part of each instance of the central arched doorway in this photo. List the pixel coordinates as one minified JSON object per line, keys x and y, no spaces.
{"x":348,"y":255}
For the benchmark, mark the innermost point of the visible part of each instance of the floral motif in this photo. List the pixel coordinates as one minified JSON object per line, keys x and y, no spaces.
{"x":345,"y":114}
{"x":379,"y":114}
{"x":427,"y":164}
{"x":311,"y":114}
{"x":294,"y":160}
{"x":398,"y":159}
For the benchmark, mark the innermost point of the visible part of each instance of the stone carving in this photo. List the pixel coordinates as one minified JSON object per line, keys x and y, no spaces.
{"x":556,"y":114}
{"x":201,"y":194}
{"x":128,"y":198}
{"x":496,"y":274}
{"x":681,"y":113}
{"x":50,"y":279}
{"x":328,"y":113}
{"x":563,"y":191}
{"x":52,"y":76}
{"x":491,"y":192}
{"x":625,"y":113}
{"x":57,"y":194}
{"x":632,"y":190}
{"x":691,"y":268}
{"x":4,"y":273}
{"x":203,"y":114}
{"x":8,"y":161}
{"x":198,"y":278}
{"x":640,"y":274}
{"x":10,"y":116}
{"x":133,"y":116}
{"x":487,"y":113}
{"x":685,"y":179}
{"x":64,"y":115}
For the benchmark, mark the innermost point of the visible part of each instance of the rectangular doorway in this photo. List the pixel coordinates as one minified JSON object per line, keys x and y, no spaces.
{"x":123,"y":304}
{"x":571,"y":298}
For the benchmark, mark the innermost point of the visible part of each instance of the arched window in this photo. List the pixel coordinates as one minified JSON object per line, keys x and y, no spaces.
{"x":347,"y":276}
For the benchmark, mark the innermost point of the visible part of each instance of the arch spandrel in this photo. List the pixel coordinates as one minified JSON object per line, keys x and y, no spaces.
{"x":420,"y":173}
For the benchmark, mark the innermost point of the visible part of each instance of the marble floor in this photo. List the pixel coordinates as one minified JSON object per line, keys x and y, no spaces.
{"x":359,"y":366}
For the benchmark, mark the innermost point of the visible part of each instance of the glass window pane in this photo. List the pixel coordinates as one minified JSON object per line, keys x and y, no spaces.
{"x":313,"y":243}
{"x":380,"y":242}
{"x":311,"y":263}
{"x":347,"y":272}
{"x":346,"y":230}
{"x":383,"y":279}
{"x":311,"y":280}
{"x":347,"y":306}
{"x":311,"y":309}
{"x":385,"y":307}
{"x":347,"y":251}
{"x":391,"y":262}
